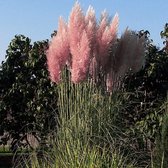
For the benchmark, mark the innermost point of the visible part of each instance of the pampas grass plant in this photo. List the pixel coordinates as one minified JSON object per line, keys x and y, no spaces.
{"x":90,"y":133}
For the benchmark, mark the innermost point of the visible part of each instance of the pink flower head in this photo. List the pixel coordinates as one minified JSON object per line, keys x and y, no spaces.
{"x":102,"y":32}
{"x":90,"y":15}
{"x":79,"y":41}
{"x":106,"y":37}
{"x":114,"y":26}
{"x":58,"y":52}
{"x":86,"y":45}
{"x":90,"y":21}
{"x":76,"y":26}
{"x":80,"y":63}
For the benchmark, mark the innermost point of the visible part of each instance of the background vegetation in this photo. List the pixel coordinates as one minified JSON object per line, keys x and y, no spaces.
{"x":79,"y":125}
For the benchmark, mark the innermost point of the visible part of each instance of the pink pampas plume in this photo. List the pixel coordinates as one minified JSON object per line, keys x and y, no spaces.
{"x":58,"y":52}
{"x":111,"y":59}
{"x":102,"y":42}
{"x":106,"y":37}
{"x":79,"y":26}
{"x":104,"y":47}
{"x":76,"y":25}
{"x":114,"y":26}
{"x":80,"y":65}
{"x":94,"y":49}
{"x":91,"y":27}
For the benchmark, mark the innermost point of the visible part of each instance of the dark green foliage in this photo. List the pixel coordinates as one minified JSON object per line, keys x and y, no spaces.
{"x":164,"y":35}
{"x":148,"y":90}
{"x":28,"y":99}
{"x":160,"y":154}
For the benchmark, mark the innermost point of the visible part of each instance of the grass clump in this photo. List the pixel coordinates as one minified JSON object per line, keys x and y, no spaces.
{"x":93,"y":132}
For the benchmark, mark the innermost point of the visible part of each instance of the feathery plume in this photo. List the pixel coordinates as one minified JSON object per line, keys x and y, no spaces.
{"x":93,"y":48}
{"x":58,"y":52}
{"x":113,"y":43}
{"x":79,"y":26}
{"x":102,"y":40}
{"x":76,"y":25}
{"x":122,"y":52}
{"x":91,"y":29}
{"x":134,"y":51}
{"x":114,"y":26}
{"x":139,"y":54}
{"x":80,"y":65}
{"x":90,"y":21}
{"x":129,"y":54}
{"x":90,"y":15}
{"x":107,"y":36}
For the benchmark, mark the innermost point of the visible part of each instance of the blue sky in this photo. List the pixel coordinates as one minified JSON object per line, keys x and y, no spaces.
{"x":38,"y":18}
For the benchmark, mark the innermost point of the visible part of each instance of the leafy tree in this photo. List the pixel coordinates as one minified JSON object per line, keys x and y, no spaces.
{"x":164,"y":35}
{"x":148,"y":90}
{"x":28,"y":99}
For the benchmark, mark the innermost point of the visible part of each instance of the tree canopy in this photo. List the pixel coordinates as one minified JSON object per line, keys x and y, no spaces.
{"x":28,"y":99}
